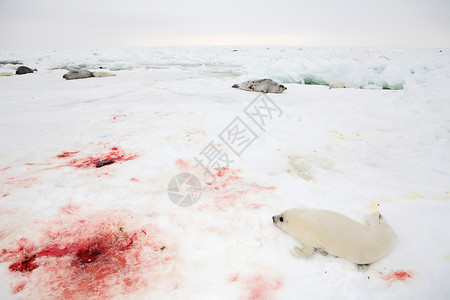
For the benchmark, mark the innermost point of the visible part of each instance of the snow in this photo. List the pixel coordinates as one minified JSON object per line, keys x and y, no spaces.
{"x":352,"y":150}
{"x":370,"y":68}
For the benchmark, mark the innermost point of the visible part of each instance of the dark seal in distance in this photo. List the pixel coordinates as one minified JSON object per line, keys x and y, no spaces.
{"x":24,"y":70}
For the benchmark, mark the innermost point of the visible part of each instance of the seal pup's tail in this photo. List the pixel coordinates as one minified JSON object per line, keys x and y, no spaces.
{"x":235,"y":86}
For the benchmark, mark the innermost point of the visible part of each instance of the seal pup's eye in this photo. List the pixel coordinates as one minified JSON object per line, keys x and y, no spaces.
{"x":281,"y":219}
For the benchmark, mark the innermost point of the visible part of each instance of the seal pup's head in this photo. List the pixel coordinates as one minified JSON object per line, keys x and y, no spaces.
{"x":281,"y":88}
{"x":287,"y":219}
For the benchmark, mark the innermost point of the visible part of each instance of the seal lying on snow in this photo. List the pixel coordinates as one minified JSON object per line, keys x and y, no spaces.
{"x":102,"y":74}
{"x":337,"y":85}
{"x":337,"y":234}
{"x":78,"y":74}
{"x":24,"y":70}
{"x":261,"y":85}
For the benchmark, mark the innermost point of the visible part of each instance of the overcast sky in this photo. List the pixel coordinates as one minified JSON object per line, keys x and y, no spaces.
{"x":120,"y":23}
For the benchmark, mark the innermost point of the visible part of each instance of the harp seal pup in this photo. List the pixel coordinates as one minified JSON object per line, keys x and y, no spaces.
{"x":338,"y":235}
{"x":338,"y":85}
{"x":261,"y":85}
{"x":78,"y":74}
{"x":102,"y":74}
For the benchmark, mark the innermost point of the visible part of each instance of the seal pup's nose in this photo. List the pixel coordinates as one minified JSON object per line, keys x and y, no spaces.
{"x":273,"y":219}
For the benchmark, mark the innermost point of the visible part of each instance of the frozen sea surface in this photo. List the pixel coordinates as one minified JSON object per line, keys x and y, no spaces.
{"x":71,"y":230}
{"x":370,"y":68}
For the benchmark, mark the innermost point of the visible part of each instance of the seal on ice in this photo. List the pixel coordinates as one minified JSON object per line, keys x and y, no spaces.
{"x":338,"y":235}
{"x":78,"y":74}
{"x":261,"y":85}
{"x":102,"y":74}
{"x":24,"y":70}
{"x":338,"y":85}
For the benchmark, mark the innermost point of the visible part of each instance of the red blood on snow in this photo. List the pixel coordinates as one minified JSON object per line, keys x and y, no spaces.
{"x":67,"y":154}
{"x":398,"y":275}
{"x":26,"y":265}
{"x":258,"y":286}
{"x":92,"y":257}
{"x":19,"y":287}
{"x":114,"y":154}
{"x":227,"y":188}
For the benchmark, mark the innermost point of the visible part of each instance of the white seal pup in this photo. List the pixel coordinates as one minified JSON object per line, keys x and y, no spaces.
{"x":261,"y":85}
{"x":337,"y":85}
{"x":78,"y":74}
{"x":24,"y":70}
{"x":102,"y":74}
{"x":337,"y":234}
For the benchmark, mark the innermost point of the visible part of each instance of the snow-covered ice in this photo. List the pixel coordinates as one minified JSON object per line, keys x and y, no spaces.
{"x":382,"y":143}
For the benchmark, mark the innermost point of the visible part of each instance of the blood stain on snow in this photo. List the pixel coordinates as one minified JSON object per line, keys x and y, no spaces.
{"x":229,"y":178}
{"x":18,"y":288}
{"x":135,"y":179}
{"x":67,"y":154}
{"x":228,"y":188}
{"x":27,"y":264}
{"x":22,"y":183}
{"x":5,"y":195}
{"x":69,"y":208}
{"x":226,"y":176}
{"x":115,"y":117}
{"x":114,"y":154}
{"x":36,"y":164}
{"x":399,"y":275}
{"x":92,"y":257}
{"x":258,"y":286}
{"x":255,"y":206}
{"x":234,"y":277}
{"x":183,"y":165}
{"x":191,"y":134}
{"x":262,"y":288}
